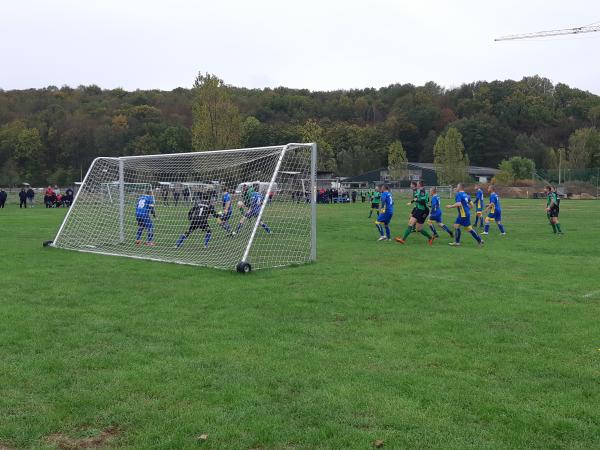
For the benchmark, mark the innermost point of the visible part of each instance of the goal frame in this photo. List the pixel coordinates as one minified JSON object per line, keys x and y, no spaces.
{"x":244,"y":262}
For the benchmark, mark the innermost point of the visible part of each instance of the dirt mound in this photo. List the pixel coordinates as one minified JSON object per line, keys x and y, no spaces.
{"x":98,"y":440}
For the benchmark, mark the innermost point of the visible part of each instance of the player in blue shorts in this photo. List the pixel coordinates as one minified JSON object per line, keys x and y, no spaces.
{"x":145,"y":207}
{"x":435,"y":216}
{"x":479,"y":205}
{"x":386,"y":211}
{"x":227,"y":211}
{"x":463,"y":204}
{"x":256,"y":201}
{"x":494,"y":212}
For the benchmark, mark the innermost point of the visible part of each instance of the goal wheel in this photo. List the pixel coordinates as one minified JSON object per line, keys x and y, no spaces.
{"x":243,"y":267}
{"x":47,"y":243}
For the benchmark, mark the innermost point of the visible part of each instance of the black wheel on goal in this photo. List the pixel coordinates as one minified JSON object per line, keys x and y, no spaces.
{"x":47,"y":243}
{"x":243,"y":267}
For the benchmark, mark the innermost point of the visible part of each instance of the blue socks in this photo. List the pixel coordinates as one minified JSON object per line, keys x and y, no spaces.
{"x":501,"y":228}
{"x":267,"y":229}
{"x":387,"y":232}
{"x":432,"y":228}
{"x":457,"y":234}
{"x":380,"y":229}
{"x":475,"y":235}
{"x":207,"y":238}
{"x":180,"y":240}
{"x":447,"y":230}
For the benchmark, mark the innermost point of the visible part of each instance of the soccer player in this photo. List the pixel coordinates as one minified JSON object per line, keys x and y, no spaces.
{"x":413,"y":187}
{"x":418,"y":216}
{"x":253,"y":211}
{"x":494,"y":212}
{"x":385,"y":213}
{"x":479,"y":205}
{"x":198,"y":216}
{"x":375,"y":201}
{"x":247,"y":192}
{"x":463,"y":204}
{"x":143,"y":209}
{"x":553,"y":208}
{"x":436,"y":214}
{"x":227,"y":211}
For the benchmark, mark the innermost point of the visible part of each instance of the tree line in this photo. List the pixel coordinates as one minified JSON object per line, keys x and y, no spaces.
{"x":51,"y":135}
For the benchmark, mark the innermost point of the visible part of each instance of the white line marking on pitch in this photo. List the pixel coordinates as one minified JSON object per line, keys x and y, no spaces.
{"x":591,"y":294}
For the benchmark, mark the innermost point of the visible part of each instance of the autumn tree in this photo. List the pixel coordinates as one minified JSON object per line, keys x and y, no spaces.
{"x":451,"y":161}
{"x":397,"y":162}
{"x":217,"y":123}
{"x":584,"y":148}
{"x":312,"y":132}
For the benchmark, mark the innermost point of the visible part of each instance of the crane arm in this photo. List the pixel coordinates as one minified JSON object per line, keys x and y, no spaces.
{"x":578,"y":30}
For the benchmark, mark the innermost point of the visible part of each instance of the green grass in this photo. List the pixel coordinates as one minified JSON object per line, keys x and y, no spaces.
{"x":421,"y":347}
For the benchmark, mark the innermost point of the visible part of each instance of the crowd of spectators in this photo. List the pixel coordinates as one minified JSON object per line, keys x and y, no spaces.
{"x":53,"y":197}
{"x":333,"y":195}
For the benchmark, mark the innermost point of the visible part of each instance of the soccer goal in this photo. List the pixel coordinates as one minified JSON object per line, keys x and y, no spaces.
{"x":241,"y":209}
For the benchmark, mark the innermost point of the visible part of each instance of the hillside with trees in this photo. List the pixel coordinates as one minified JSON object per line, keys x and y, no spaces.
{"x":51,"y":135}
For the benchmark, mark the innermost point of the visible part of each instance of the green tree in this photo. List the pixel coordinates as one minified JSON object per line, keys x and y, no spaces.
{"x":584,"y":148}
{"x":505,"y":176}
{"x":533,"y":148}
{"x":143,"y":145}
{"x":450,"y":159}
{"x":9,"y":174}
{"x":254,"y":133}
{"x":594,"y":116}
{"x":515,"y":168}
{"x":312,"y":132}
{"x":397,"y":162}
{"x":175,"y":139}
{"x":217,"y":123}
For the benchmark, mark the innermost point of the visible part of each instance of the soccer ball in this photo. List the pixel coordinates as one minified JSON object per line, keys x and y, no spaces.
{"x":240,"y":204}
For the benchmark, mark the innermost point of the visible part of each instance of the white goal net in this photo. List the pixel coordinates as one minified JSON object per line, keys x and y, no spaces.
{"x":226,"y":209}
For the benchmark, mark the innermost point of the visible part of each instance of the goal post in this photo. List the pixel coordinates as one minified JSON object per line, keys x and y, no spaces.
{"x":241,"y":208}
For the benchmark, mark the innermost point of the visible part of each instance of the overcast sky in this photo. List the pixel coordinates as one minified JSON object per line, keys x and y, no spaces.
{"x":314,"y":44}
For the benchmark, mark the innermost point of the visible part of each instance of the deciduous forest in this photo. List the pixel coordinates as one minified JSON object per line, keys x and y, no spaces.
{"x":51,"y":135}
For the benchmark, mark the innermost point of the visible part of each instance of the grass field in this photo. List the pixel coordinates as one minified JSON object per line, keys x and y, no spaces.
{"x":421,"y":347}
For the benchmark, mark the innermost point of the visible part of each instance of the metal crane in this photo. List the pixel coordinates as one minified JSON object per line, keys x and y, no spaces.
{"x":579,"y":30}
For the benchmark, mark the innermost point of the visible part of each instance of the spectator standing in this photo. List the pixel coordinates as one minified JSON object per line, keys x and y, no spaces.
{"x":68,"y":197}
{"x":176,"y":196}
{"x":354,"y":196}
{"x":49,"y":197}
{"x":3,"y":196}
{"x":30,"y":196}
{"x":22,"y":198}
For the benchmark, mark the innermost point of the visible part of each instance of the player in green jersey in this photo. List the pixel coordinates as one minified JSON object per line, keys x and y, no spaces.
{"x":375,"y":200}
{"x":553,"y":208}
{"x":419,"y":215}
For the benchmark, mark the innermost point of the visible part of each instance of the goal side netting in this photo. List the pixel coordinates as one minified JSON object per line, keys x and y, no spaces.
{"x":215,"y":208}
